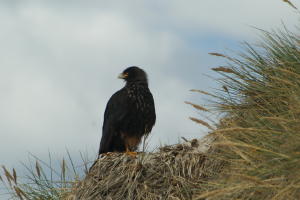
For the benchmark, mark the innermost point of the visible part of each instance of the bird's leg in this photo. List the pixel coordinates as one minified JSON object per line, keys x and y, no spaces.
{"x":130,"y":153}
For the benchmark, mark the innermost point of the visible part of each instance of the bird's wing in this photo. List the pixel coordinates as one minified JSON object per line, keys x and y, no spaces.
{"x":115,"y":112}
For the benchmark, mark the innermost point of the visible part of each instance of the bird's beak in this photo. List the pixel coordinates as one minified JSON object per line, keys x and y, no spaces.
{"x":123,"y":76}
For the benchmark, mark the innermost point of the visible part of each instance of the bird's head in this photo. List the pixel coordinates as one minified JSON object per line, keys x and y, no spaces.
{"x":132,"y":74}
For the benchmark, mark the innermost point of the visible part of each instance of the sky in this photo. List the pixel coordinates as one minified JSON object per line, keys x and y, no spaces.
{"x":59,"y":62}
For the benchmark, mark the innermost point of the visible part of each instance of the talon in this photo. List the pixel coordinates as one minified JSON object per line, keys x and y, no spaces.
{"x":132,"y":154}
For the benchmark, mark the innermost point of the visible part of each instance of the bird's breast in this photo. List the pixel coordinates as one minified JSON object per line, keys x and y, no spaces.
{"x":140,"y":97}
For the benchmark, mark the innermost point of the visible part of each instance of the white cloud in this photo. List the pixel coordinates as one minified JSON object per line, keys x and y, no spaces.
{"x":232,"y":17}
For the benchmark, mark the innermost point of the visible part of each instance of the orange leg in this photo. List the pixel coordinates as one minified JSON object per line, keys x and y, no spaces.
{"x":130,"y":153}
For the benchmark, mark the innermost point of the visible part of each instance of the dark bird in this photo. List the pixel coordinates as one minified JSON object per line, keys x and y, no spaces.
{"x":129,"y":114}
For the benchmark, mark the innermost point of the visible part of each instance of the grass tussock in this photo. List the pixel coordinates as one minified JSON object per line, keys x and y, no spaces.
{"x":175,"y":172}
{"x":42,"y":180}
{"x":259,"y":132}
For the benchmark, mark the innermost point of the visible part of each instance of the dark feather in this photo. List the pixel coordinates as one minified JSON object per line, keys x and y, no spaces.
{"x":129,"y":114}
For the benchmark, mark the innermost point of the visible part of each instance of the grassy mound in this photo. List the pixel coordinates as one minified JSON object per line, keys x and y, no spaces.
{"x":259,"y":133}
{"x":174,"y":172}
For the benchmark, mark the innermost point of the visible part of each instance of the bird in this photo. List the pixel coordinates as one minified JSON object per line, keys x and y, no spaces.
{"x":129,"y":114}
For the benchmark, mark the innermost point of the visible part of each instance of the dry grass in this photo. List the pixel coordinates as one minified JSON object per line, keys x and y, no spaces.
{"x":42,"y":181}
{"x":175,"y":172}
{"x":259,"y":135}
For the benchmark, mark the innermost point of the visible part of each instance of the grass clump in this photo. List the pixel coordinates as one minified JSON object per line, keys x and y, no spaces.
{"x":42,"y":180}
{"x":259,"y":134}
{"x":174,"y":172}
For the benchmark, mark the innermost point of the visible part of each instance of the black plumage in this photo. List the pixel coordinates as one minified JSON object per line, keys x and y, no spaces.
{"x":129,"y":114}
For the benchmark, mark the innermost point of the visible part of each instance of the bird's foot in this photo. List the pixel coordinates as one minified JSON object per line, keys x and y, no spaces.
{"x":131,"y":153}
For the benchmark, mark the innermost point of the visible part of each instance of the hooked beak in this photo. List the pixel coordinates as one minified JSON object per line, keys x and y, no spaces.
{"x":123,"y":76}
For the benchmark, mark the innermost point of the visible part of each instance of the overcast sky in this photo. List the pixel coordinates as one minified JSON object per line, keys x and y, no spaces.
{"x":59,"y":62}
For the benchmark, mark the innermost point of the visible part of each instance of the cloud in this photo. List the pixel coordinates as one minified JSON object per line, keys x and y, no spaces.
{"x":231,"y":17}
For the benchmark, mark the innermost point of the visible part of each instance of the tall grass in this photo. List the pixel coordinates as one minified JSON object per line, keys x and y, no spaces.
{"x":43,"y":180}
{"x":259,"y":135}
